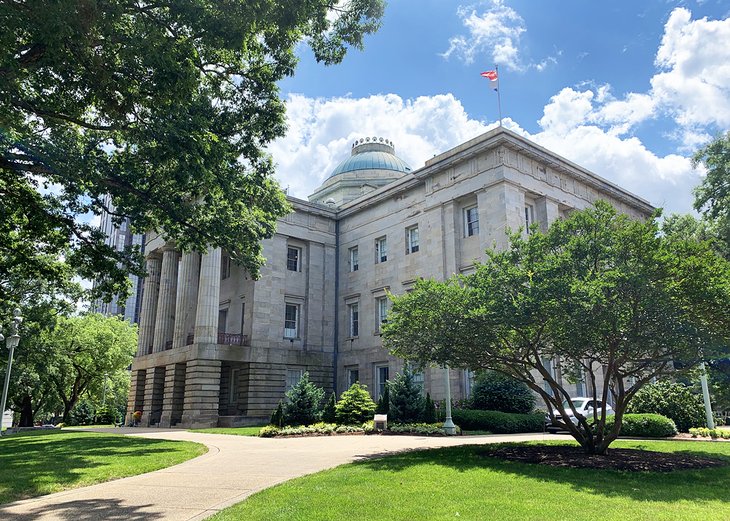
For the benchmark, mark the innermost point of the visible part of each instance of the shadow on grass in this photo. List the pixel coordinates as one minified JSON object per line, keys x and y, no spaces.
{"x":31,"y":463}
{"x":85,"y":510}
{"x":691,"y":485}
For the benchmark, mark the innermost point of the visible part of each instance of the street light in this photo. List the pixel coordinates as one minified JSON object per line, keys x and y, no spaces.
{"x":449,"y":427}
{"x":12,"y":343}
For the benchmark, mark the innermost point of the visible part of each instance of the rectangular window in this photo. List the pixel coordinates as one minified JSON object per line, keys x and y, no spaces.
{"x":471,"y":221}
{"x":222,"y":320}
{"x":381,"y":250}
{"x":353,"y":312}
{"x":381,"y":378}
{"x":412,"y":239}
{"x":419,"y":379}
{"x":225,"y":266}
{"x":550,"y":367}
{"x":381,"y":308}
{"x":354,"y":264}
{"x":529,"y":217}
{"x":353,"y":376}
{"x":293,"y":258}
{"x":291,"y":321}
{"x":292,"y":377}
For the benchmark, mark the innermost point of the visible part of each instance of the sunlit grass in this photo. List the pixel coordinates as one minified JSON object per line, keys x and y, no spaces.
{"x":42,"y":462}
{"x":461,"y":483}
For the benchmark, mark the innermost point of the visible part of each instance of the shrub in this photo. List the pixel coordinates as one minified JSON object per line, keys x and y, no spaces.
{"x":498,"y":422}
{"x":329,"y":414}
{"x":321,"y":429}
{"x":429,"y":410}
{"x":420,"y":429}
{"x":277,"y":417}
{"x":406,"y":400}
{"x":704,"y":432}
{"x":355,"y":406}
{"x":303,"y":403}
{"x":673,"y":400}
{"x":494,"y":391}
{"x":645,"y":425}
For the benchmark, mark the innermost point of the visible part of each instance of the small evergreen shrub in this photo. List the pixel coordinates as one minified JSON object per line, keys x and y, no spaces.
{"x":303,"y":403}
{"x":406,"y":399}
{"x":105,"y":415}
{"x":277,"y":417}
{"x":494,"y":391}
{"x":329,"y":414}
{"x":355,"y":406}
{"x":383,"y":401}
{"x":673,"y":400}
{"x":429,"y":410}
{"x":81,"y":414}
{"x":498,"y":422}
{"x":645,"y":425}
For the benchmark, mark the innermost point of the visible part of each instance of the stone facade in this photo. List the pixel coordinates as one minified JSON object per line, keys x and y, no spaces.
{"x":217,"y":348}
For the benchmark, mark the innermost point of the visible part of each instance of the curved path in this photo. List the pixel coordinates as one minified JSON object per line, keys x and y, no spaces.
{"x":234,"y":468}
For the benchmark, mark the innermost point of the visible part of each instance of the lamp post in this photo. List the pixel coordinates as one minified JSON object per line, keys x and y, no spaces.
{"x":706,"y":397}
{"x":449,"y":427}
{"x":12,"y":343}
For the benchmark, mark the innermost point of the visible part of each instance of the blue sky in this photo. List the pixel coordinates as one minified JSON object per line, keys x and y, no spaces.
{"x":626,"y":89}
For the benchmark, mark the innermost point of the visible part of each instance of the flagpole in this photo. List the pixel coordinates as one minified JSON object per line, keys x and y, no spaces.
{"x":499,"y":95}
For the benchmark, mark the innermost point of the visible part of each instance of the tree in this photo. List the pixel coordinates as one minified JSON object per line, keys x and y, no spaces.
{"x":355,"y":406}
{"x":303,"y":403}
{"x":84,"y":349}
{"x":598,"y":292}
{"x":712,"y":196}
{"x":383,"y":404}
{"x":406,"y":398}
{"x":166,"y":106}
{"x":429,"y":410}
{"x":329,"y":414}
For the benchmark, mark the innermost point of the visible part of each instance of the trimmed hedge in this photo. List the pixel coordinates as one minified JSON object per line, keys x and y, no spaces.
{"x":498,"y":422}
{"x":420,"y":429}
{"x":645,"y":425}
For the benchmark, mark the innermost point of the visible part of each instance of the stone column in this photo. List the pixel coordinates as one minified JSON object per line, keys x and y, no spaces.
{"x":174,"y":395}
{"x":166,"y":300}
{"x":148,"y":314}
{"x":153,"y":392}
{"x":546,"y":212}
{"x":187,"y":297}
{"x":209,"y":290}
{"x":202,"y":391}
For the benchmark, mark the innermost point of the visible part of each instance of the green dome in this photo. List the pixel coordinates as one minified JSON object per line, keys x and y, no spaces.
{"x":372,"y":154}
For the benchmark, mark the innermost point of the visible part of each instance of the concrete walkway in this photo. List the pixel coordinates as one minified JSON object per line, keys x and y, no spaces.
{"x":234,"y":468}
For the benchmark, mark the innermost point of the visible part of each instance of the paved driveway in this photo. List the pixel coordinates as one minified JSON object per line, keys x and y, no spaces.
{"x":234,"y":468}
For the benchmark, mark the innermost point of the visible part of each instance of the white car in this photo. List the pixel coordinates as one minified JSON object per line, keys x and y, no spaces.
{"x":583,"y":406}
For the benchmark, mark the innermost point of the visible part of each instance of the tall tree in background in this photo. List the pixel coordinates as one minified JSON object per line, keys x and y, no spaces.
{"x":712,"y":196}
{"x":165,"y":105}
{"x":84,"y":349}
{"x":609,"y":298}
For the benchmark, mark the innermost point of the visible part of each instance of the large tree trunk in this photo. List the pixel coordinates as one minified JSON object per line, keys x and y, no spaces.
{"x":26,"y":412}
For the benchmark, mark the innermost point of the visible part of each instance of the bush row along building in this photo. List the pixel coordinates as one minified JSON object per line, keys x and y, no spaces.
{"x":218,"y":348}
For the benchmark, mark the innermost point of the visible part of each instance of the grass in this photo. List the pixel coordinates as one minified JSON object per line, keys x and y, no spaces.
{"x":235,"y":431}
{"x":42,"y":462}
{"x":458,"y":483}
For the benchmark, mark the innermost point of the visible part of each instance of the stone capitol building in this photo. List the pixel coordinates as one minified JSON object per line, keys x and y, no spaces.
{"x":218,"y":348}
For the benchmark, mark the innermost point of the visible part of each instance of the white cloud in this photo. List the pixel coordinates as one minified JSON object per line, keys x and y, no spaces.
{"x":694,"y":60}
{"x":495,"y":32}
{"x":321,"y":132}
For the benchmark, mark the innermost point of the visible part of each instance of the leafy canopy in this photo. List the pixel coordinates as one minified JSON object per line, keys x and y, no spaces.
{"x":166,"y":106}
{"x":606,"y":297}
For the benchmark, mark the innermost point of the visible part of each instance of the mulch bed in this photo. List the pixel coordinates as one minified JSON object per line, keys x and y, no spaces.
{"x":631,"y":460}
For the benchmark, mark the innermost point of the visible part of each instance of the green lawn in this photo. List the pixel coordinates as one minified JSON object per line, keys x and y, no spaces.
{"x":42,"y":462}
{"x":458,"y":483}
{"x":236,"y":431}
